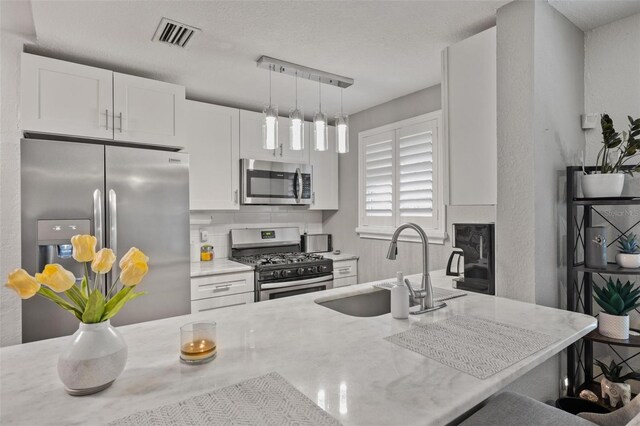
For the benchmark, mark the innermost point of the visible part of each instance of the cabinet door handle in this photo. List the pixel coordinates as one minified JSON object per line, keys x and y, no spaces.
{"x":280,"y":150}
{"x":222,"y":287}
{"x":120,"y":115}
{"x":343,"y":270}
{"x":235,"y":199}
{"x":106,"y":118}
{"x":313,"y":198}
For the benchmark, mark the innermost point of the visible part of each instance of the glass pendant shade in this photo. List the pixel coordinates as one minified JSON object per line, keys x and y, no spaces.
{"x":320,"y":132}
{"x":342,"y":134}
{"x":296,"y":130}
{"x":270,"y":127}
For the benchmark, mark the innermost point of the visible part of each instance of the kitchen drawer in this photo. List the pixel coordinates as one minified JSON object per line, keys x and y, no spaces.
{"x":342,"y":282}
{"x":221,"y":302}
{"x":345,"y":268}
{"x":221,"y":285}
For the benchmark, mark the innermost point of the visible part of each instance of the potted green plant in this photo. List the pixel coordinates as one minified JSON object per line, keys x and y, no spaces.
{"x":616,"y":300}
{"x":628,"y":257}
{"x":617,"y":149}
{"x":613,"y":384}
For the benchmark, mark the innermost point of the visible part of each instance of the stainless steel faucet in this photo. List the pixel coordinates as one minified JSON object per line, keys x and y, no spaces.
{"x":425,"y":294}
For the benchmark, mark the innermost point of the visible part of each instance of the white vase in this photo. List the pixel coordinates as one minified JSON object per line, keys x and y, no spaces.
{"x":617,"y":392}
{"x":94,"y":359}
{"x":628,"y":260}
{"x":614,"y":326}
{"x":602,"y":185}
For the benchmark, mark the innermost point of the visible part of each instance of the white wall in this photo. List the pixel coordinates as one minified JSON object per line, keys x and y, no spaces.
{"x":612,"y":85}
{"x":12,"y":38}
{"x":221,"y":222}
{"x":612,"y":75}
{"x":540,"y":99}
{"x":373,"y":264}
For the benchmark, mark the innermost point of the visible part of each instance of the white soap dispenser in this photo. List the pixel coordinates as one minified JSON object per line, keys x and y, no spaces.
{"x":400,"y":298}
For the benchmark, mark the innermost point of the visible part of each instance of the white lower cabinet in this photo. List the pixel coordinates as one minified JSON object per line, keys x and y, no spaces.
{"x":218,"y":291}
{"x":220,"y":302}
{"x":345,"y":272}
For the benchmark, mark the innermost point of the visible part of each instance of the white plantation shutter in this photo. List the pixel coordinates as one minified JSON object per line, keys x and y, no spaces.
{"x":415,"y":173}
{"x":400,"y":178}
{"x":378,"y":167}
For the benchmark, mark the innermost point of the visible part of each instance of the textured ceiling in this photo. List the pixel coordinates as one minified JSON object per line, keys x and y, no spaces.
{"x":390,"y":48}
{"x":589,"y":14}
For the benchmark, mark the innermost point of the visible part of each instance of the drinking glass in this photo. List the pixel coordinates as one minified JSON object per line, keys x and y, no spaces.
{"x":198,"y":343}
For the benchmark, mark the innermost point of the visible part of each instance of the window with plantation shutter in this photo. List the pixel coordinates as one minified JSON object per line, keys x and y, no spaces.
{"x":415,"y":173}
{"x":399,"y":178}
{"x":379,"y":176}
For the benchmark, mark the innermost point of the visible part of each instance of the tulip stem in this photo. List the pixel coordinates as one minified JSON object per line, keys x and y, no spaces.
{"x":112,"y":286}
{"x":86,"y":274}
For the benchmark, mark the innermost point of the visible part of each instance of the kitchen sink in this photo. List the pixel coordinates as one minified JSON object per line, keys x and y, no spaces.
{"x":369,"y":304}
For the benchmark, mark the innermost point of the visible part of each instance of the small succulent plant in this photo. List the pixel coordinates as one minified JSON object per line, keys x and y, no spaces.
{"x":628,"y":244}
{"x":613,"y":370}
{"x":616,"y":298}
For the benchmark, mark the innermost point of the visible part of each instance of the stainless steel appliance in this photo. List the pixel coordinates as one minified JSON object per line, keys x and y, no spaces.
{"x":281,"y":270}
{"x":270,"y":182}
{"x":125,"y":197}
{"x":316,"y":243}
{"x":475,"y":243}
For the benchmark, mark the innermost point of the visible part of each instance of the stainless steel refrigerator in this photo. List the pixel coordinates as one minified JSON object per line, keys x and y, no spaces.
{"x":126,"y":197}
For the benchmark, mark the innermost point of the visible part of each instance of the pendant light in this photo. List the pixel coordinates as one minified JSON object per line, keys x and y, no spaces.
{"x":320,"y":136}
{"x":270,"y":123}
{"x":296,"y":126}
{"x":342,"y":130}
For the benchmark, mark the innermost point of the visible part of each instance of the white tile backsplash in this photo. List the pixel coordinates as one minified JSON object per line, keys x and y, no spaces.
{"x":218,"y":224}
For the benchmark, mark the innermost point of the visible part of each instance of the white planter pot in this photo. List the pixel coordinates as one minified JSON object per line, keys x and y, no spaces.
{"x":614,"y":326}
{"x":602,"y":185}
{"x":617,"y":392}
{"x":94,"y":359}
{"x":626,"y":260}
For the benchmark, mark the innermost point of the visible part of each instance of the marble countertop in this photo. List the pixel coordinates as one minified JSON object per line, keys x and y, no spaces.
{"x":340,"y":362}
{"x":217,"y":266}
{"x":339,"y":257}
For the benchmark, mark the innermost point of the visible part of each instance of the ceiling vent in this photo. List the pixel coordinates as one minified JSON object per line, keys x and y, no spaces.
{"x":174,"y":33}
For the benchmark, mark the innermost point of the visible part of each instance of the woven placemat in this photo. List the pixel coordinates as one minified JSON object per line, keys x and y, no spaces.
{"x":473,"y":345}
{"x":265,"y":400}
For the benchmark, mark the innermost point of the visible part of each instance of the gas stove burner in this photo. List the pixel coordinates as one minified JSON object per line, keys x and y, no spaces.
{"x":279,"y":258}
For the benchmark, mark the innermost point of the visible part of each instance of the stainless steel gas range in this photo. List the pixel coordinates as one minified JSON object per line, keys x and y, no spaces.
{"x":281,"y":270}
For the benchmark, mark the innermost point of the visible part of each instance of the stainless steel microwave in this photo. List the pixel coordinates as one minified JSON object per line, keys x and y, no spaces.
{"x":270,"y":182}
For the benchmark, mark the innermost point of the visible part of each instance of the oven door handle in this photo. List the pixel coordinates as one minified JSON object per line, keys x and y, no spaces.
{"x":299,"y":188}
{"x":321,"y":279}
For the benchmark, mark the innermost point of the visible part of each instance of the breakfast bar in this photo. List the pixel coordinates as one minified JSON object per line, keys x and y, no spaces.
{"x":344,"y":364}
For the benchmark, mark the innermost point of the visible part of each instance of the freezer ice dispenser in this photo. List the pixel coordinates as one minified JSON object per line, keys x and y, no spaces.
{"x":54,"y":243}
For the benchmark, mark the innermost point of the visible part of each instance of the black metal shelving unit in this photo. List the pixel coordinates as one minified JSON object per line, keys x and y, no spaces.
{"x":580,"y":279}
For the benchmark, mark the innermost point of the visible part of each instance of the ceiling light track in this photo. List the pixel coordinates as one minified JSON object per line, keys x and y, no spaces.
{"x":301,"y":71}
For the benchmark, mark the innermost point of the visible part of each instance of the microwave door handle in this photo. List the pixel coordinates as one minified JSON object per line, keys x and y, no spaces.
{"x":299,"y":189}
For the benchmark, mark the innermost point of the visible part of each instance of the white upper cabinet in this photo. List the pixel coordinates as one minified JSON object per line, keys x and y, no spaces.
{"x":65,"y":98}
{"x":470,"y":114}
{"x":286,"y":153}
{"x":212,"y":140}
{"x":148,"y":111}
{"x":251,"y":137}
{"x":325,"y":173}
{"x":251,"y":141}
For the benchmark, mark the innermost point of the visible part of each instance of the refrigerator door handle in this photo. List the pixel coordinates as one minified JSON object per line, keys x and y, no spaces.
{"x":113,"y":231}
{"x":97,"y":216}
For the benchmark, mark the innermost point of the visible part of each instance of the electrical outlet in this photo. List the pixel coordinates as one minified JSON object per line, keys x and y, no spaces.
{"x":204,"y":236}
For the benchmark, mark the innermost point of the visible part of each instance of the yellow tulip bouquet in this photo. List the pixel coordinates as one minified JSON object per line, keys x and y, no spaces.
{"x":86,"y":301}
